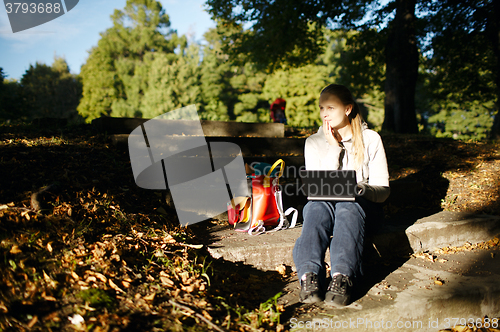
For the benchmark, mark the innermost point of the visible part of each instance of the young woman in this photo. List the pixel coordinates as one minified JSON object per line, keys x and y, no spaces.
{"x":342,"y":142}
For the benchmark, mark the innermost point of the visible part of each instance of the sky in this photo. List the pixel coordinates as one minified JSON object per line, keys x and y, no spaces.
{"x":73,"y":34}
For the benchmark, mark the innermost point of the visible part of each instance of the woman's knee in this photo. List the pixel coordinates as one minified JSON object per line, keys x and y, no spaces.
{"x":317,"y":213}
{"x":316,"y":208}
{"x":349,"y":209}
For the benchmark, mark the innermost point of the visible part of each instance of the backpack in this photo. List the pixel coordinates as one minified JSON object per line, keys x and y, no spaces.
{"x":264,"y":208}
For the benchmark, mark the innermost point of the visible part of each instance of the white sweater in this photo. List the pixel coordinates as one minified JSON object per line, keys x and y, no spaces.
{"x":372,"y":176}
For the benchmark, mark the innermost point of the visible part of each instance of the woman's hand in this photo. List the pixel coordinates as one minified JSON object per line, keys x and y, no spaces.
{"x":332,"y":135}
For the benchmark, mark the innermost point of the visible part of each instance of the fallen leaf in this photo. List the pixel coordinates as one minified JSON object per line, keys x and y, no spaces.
{"x":115,"y":287}
{"x":76,"y":319}
{"x":184,"y":276}
{"x":91,"y":279}
{"x":100,"y":277}
{"x":169,"y":239}
{"x":461,"y":328}
{"x":15,"y":250}
{"x":281,"y":269}
{"x":51,"y":283}
{"x":195,"y":246}
{"x":206,"y":315}
{"x":201,"y":303}
{"x":87,"y":307}
{"x":48,"y":297}
{"x":189,"y":288}
{"x":424,"y":255}
{"x":166,"y":281}
{"x":149,"y":297}
{"x":32,"y":322}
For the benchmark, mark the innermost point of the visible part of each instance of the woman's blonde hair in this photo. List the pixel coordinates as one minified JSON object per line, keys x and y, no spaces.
{"x":355,"y":119}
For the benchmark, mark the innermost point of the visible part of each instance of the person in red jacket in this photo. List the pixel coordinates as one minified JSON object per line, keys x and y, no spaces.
{"x":278,"y":111}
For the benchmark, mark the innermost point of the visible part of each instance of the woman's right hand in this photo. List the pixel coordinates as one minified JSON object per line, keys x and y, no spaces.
{"x":332,"y":135}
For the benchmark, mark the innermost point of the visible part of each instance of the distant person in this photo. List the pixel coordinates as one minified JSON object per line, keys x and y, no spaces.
{"x":278,"y":111}
{"x":342,"y":142}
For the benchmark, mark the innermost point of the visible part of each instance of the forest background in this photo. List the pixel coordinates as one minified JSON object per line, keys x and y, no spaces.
{"x":142,"y":68}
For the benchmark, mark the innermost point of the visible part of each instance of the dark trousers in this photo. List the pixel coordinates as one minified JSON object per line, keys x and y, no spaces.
{"x":337,"y":225}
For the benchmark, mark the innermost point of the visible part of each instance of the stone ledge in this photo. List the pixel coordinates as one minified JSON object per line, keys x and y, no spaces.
{"x":113,"y":126}
{"x":442,"y":229}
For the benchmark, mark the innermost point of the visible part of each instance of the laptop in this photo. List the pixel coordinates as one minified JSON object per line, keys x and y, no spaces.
{"x":326,"y":185}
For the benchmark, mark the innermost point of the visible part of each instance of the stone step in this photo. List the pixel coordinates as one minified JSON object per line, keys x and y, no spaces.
{"x":113,"y":126}
{"x":442,"y":229}
{"x":407,"y":297}
{"x":250,"y":146}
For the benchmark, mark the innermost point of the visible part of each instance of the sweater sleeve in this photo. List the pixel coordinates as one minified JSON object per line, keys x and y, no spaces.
{"x":378,"y":173}
{"x":377,"y":194}
{"x":377,"y":189}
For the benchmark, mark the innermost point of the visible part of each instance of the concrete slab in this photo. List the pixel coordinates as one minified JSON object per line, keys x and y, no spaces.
{"x":250,"y":146}
{"x":178,"y":127}
{"x":407,"y":294}
{"x":445,"y":228}
{"x":419,"y":295}
{"x":451,"y":229}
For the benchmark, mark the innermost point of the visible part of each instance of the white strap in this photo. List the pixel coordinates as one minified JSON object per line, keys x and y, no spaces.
{"x":284,"y":223}
{"x":258,"y":229}
{"x":294,"y":217}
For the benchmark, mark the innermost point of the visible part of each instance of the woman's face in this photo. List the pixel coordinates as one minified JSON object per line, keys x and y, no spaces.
{"x":333,"y":111}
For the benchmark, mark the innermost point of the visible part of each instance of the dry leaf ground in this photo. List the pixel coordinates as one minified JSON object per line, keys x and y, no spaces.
{"x":104,"y":255}
{"x":94,"y":252}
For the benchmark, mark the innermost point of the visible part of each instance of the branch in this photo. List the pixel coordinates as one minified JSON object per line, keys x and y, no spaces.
{"x":212,"y":325}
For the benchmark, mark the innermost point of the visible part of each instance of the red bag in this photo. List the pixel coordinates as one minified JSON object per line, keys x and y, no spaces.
{"x":264,"y":208}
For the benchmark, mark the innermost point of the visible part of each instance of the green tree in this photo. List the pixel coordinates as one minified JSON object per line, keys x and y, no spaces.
{"x":300,"y":87}
{"x":345,"y":60}
{"x":360,"y":64}
{"x":2,"y":95}
{"x":285,"y":33}
{"x":50,"y":91}
{"x":11,"y":107}
{"x":215,"y":73}
{"x":464,"y":120}
{"x":172,"y":84}
{"x":464,"y":67}
{"x":231,"y":87}
{"x":115,"y":76}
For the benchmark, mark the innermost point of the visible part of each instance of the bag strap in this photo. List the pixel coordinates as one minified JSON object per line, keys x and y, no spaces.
{"x":267,"y":178}
{"x":257,"y":229}
{"x":284,"y":223}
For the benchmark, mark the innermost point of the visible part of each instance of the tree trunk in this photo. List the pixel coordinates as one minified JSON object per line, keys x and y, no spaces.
{"x":494,"y":36}
{"x":401,"y":71}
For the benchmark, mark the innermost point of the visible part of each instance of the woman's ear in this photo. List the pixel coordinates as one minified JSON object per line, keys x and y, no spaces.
{"x":348,"y":110}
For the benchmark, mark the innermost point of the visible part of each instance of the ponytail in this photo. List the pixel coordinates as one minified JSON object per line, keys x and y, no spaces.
{"x":358,"y":145}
